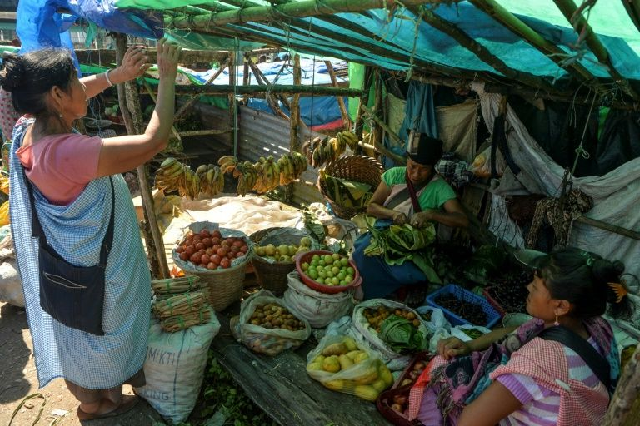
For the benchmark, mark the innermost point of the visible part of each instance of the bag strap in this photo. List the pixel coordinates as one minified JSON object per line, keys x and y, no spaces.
{"x":596,"y":362}
{"x":36,"y":227}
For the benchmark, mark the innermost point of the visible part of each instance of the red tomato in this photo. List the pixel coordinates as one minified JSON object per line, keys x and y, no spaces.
{"x":184,"y":256}
{"x":244,"y":248}
{"x":204,"y":259}
{"x":207,"y":242}
{"x":180,"y":249}
{"x":216,"y":234}
{"x":209,"y":251}
{"x":238,"y":243}
{"x":211,"y":266}
{"x":190,"y":250}
{"x":215,"y":241}
{"x":239,"y":255}
{"x":200,"y":246}
{"x":215,"y":259}
{"x":225,"y":263}
{"x":222,"y":251}
{"x":235,"y":249}
{"x":215,"y":248}
{"x":204,"y":233}
{"x":197,"y":238}
{"x":231,"y":255}
{"x":224,"y":243}
{"x":195,"y":258}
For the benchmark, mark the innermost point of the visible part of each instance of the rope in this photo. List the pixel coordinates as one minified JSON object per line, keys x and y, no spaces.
{"x":25,"y":399}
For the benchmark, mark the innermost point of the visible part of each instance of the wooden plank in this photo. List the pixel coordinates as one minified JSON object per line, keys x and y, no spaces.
{"x":281,"y":387}
{"x":220,"y":89}
{"x":107,"y":57}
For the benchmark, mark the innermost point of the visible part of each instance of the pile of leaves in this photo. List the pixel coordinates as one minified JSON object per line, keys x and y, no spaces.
{"x":401,"y":335}
{"x":399,"y":243}
{"x":222,"y":402}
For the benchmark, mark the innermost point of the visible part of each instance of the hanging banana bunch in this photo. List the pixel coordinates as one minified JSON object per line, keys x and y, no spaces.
{"x":189,"y":186}
{"x":227,"y":163}
{"x":169,"y":174}
{"x":287,"y":172}
{"x":247,"y":177}
{"x":211,"y":180}
{"x":299,"y":162}
{"x":347,"y":138}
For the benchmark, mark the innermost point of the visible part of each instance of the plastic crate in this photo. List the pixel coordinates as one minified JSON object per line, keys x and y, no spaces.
{"x":493,"y":302}
{"x":461,"y":294}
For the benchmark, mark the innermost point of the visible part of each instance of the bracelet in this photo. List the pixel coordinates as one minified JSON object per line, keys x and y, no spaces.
{"x":106,"y":76}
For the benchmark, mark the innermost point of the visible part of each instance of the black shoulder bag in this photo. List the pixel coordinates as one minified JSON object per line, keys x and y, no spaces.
{"x":596,"y":362}
{"x":72,"y":295}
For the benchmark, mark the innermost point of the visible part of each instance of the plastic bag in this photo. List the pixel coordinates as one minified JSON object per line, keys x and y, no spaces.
{"x":341,"y":365}
{"x":481,"y":165}
{"x":174,"y":368}
{"x":318,"y":308}
{"x":369,"y":336}
{"x":438,"y":325}
{"x":472,"y":332}
{"x":269,"y":341}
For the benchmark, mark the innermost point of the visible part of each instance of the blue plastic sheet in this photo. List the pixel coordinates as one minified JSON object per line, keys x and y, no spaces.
{"x":314,"y":111}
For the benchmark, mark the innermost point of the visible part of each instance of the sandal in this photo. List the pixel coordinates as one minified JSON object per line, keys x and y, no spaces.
{"x":127,"y":403}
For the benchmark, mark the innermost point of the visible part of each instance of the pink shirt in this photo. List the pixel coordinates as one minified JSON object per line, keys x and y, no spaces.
{"x":61,"y":166}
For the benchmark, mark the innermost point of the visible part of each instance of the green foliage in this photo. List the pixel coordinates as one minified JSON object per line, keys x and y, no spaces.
{"x":223,"y":402}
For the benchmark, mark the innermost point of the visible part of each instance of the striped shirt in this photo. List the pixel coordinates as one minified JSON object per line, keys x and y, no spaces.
{"x":540,"y":406}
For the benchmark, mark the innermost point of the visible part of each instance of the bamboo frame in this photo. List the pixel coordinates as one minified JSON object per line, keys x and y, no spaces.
{"x":569,"y":9}
{"x":194,"y":98}
{"x":633,"y":10}
{"x":510,"y":21}
{"x":384,"y":151}
{"x":481,"y":51}
{"x":262,"y":81}
{"x":364,"y":100}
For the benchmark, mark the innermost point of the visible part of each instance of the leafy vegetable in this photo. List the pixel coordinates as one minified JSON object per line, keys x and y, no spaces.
{"x":401,"y":335}
{"x":486,"y":260}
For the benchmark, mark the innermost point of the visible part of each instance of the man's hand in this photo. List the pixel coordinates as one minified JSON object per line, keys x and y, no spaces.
{"x":420,"y":220}
{"x":134,"y":64}
{"x":399,"y":218}
{"x":452,"y":347}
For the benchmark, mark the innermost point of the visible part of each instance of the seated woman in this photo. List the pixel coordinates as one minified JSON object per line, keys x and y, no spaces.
{"x":544,"y":373}
{"x":414,"y":194}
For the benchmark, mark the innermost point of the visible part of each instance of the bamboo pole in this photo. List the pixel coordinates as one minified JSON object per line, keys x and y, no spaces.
{"x":510,"y":21}
{"x":346,"y":122}
{"x":294,"y":110}
{"x":153,"y":238}
{"x":284,"y":11}
{"x":262,"y":81}
{"x":231,"y":96}
{"x":481,"y":51}
{"x":280,"y":89}
{"x":204,"y":132}
{"x":194,"y":98}
{"x":245,"y":76}
{"x":582,"y":27}
{"x":611,"y":228}
{"x":633,"y":10}
{"x":364,"y":100}
{"x":398,"y":159}
{"x":377,"y":130}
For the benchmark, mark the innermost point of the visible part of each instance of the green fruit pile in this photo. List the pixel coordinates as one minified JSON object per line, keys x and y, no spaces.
{"x":329,"y":269}
{"x":283,"y":252}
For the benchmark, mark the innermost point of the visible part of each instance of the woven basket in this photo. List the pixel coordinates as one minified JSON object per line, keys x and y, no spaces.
{"x":356,"y":168}
{"x":225,"y":285}
{"x":273,"y":276}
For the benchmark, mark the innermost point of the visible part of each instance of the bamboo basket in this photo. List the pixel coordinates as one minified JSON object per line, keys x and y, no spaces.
{"x":225,"y":285}
{"x":273,"y":276}
{"x":357,"y":168}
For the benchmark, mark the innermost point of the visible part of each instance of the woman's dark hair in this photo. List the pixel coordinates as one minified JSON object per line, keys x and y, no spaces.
{"x":583,"y":278}
{"x":30,"y":76}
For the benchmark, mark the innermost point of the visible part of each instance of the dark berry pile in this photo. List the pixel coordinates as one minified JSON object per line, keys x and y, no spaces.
{"x":510,"y":291}
{"x":471,"y":312}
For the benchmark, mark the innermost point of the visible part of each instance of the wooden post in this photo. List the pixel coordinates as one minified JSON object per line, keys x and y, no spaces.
{"x":262,"y":81}
{"x":364,"y":99}
{"x":346,"y":122}
{"x":232,"y":101}
{"x":174,"y":131}
{"x":245,"y":75}
{"x":152,"y":235}
{"x":621,"y":407}
{"x":294,"y":137}
{"x":194,"y":98}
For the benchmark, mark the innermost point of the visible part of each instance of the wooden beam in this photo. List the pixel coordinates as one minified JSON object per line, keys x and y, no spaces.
{"x":398,"y":159}
{"x":294,"y":143}
{"x":262,"y":81}
{"x":346,"y":122}
{"x":481,"y":51}
{"x":584,"y":30}
{"x":611,"y":228}
{"x":377,"y":130}
{"x":153,"y":237}
{"x":284,"y":11}
{"x":107,"y":57}
{"x":215,"y":89}
{"x":517,"y":26}
{"x":633,"y":10}
{"x":188,"y":133}
{"x":233,"y":102}
{"x":245,"y":75}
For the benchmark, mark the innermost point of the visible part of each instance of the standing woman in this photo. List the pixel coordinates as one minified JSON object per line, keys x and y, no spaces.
{"x":91,"y":332}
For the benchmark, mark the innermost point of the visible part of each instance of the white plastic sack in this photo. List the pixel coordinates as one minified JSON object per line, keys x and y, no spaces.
{"x":318,"y":308}
{"x":439,"y":325}
{"x":174,"y":368}
{"x":10,"y":284}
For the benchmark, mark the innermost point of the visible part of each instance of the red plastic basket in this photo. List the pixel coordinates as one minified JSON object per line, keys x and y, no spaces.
{"x":323,"y":288}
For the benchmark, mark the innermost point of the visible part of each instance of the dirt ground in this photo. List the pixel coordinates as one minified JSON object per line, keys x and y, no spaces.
{"x":57,"y":406}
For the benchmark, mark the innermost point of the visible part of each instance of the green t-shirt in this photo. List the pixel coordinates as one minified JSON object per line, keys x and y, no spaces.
{"x":433,"y":197}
